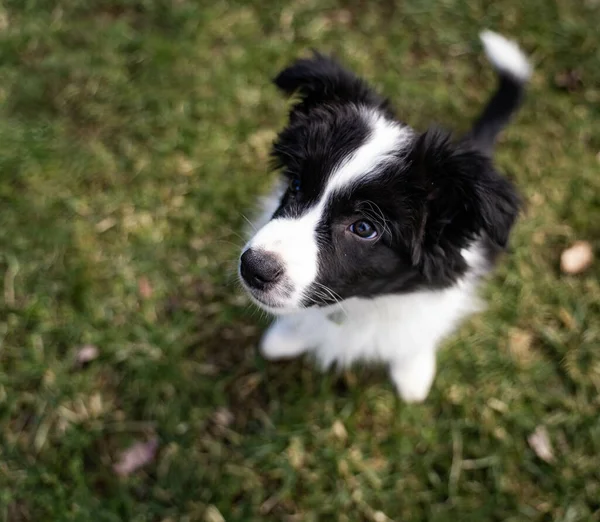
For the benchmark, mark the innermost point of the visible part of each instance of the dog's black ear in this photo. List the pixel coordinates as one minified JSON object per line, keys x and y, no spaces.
{"x":321,"y":79}
{"x":459,"y":195}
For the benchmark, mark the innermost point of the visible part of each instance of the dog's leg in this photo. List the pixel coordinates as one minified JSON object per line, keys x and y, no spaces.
{"x":413,"y":377}
{"x":283,"y":339}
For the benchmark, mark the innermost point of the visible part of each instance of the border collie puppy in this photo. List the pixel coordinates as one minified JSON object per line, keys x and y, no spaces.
{"x":373,"y":243}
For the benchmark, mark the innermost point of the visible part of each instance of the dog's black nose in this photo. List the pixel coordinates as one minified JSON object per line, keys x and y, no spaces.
{"x":259,"y":268}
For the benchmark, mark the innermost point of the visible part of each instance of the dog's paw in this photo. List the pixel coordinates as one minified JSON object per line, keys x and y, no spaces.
{"x":413,"y":378}
{"x":282,"y":341}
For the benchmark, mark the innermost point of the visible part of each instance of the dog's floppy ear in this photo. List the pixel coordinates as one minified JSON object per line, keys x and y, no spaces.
{"x":460,"y":195}
{"x":321,"y":79}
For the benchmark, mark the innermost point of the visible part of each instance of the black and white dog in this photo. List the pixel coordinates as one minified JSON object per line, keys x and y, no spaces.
{"x":374,"y":242}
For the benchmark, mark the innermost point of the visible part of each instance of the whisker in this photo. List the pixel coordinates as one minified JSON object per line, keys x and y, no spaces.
{"x":379,"y":218}
{"x":249,"y":222}
{"x":337,"y":299}
{"x":230,"y":231}
{"x":332,"y":293}
{"x":227,"y":242}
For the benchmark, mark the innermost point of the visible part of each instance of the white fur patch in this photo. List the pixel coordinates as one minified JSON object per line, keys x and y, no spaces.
{"x":294,"y":240}
{"x":506,"y":56}
{"x":386,"y":138}
{"x":402,"y":331}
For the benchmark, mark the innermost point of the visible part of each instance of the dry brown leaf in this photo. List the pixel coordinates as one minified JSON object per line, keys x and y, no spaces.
{"x":184,"y":165}
{"x":106,"y":224}
{"x":339,"y":431}
{"x":497,"y":405}
{"x":577,"y":258}
{"x":295,"y":453}
{"x":87,"y":353}
{"x":341,"y":17}
{"x":519,"y":344}
{"x":567,"y":319}
{"x":540,"y":444}
{"x":570,"y":80}
{"x":212,"y":514}
{"x":380,"y":516}
{"x":144,"y":287}
{"x":223,"y":417}
{"x":135,"y":457}
{"x":4,"y":24}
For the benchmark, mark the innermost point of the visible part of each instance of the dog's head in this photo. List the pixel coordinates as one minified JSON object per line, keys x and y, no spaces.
{"x":368,"y":206}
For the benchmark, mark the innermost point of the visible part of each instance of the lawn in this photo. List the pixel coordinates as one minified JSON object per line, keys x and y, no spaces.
{"x":134,"y":138}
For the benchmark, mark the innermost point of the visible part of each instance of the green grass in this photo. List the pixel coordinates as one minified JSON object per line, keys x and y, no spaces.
{"x":134,"y":134}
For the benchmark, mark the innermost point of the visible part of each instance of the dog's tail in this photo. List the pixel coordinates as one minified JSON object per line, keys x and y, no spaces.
{"x":514,"y":71}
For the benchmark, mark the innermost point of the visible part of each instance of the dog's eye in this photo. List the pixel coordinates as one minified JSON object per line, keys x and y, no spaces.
{"x":363,"y":229}
{"x":295,"y":185}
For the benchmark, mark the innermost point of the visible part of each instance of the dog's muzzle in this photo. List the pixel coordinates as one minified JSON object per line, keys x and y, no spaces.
{"x":260,"y":270}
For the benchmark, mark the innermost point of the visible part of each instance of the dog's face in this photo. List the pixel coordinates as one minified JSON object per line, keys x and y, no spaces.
{"x":367,"y":206}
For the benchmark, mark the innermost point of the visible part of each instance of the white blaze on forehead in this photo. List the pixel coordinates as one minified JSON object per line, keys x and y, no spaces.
{"x":294,"y":240}
{"x":386,"y":138}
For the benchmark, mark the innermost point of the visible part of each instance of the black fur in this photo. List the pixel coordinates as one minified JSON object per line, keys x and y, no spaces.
{"x":312,"y":145}
{"x":503,"y":104}
{"x":321,"y":80}
{"x":431,"y":201}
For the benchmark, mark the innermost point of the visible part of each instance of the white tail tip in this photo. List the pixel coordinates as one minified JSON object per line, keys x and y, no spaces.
{"x":506,"y":56}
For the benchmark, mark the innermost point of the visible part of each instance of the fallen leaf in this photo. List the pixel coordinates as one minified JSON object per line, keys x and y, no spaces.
{"x":341,"y":17}
{"x":49,"y":377}
{"x":295,"y":453}
{"x":95,"y":405}
{"x":540,"y":444}
{"x":212,"y":514}
{"x":519,"y":344}
{"x":223,"y":417}
{"x":497,"y":405}
{"x":268,"y":505}
{"x":4,"y":24}
{"x":17,"y":510}
{"x":339,"y":431}
{"x":380,"y":516}
{"x":576,"y":258}
{"x":569,"y":80}
{"x":106,"y":224}
{"x":144,"y":287}
{"x":135,"y":457}
{"x":567,"y":319}
{"x":184,"y":165}
{"x":87,"y":353}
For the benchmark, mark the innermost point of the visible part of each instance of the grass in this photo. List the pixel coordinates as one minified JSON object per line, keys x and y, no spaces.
{"x":135,"y":133}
